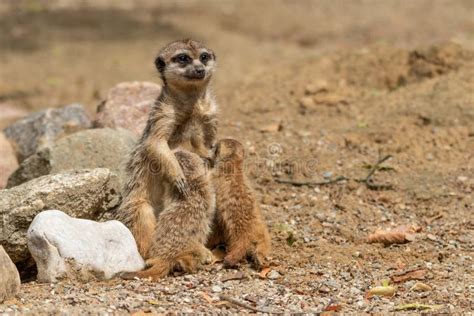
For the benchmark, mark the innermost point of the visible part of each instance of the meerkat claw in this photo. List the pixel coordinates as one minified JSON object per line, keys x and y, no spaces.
{"x":182,"y":187}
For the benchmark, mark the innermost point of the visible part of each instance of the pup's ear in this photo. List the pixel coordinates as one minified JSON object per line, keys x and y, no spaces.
{"x":214,"y":57}
{"x":160,"y":64}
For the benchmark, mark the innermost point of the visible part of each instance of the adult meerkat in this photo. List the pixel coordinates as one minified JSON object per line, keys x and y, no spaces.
{"x":182,"y":227}
{"x":238,"y":223}
{"x":184,"y":115}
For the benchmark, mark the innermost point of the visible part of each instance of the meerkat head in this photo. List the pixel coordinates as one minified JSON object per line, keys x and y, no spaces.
{"x":192,"y":165}
{"x":186,"y":63}
{"x":228,"y":151}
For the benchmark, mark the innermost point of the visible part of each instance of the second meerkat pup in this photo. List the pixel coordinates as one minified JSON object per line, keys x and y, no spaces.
{"x":238,"y":223}
{"x":184,"y":116}
{"x":183,"y":225}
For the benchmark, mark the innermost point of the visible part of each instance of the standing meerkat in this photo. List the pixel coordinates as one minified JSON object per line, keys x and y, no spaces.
{"x":182,"y":227}
{"x":238,"y":223}
{"x":184,"y":116}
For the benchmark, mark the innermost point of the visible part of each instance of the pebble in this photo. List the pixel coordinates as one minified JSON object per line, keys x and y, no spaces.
{"x":327,"y":175}
{"x":216,"y":289}
{"x":272,"y":275}
{"x":462,"y":178}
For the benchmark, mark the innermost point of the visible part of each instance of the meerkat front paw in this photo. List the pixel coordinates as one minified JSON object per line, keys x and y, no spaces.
{"x":182,"y":186}
{"x":206,"y":256}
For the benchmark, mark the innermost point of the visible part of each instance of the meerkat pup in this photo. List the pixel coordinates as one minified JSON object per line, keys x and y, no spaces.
{"x":238,"y":222}
{"x":184,"y":116}
{"x":182,"y":227}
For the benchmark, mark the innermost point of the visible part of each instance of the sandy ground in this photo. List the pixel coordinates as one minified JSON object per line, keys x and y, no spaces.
{"x":315,"y":90}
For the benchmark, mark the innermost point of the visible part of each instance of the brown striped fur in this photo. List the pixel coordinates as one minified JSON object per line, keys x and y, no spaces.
{"x":183,"y":116}
{"x":238,"y":223}
{"x":183,"y":225}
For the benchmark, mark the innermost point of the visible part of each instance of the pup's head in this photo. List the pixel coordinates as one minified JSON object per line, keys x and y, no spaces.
{"x":186,"y":63}
{"x":192,"y":165}
{"x":228,"y":150}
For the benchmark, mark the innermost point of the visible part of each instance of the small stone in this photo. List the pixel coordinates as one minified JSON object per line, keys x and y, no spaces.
{"x":9,"y":277}
{"x":273,"y":274}
{"x":306,"y":102}
{"x":462,"y":179}
{"x":127,"y":106}
{"x":431,"y":237}
{"x":63,"y":246}
{"x":216,"y":289}
{"x":327,"y":175}
{"x":318,"y":86}
{"x":41,"y":129}
{"x":355,"y":291}
{"x":271,"y":128}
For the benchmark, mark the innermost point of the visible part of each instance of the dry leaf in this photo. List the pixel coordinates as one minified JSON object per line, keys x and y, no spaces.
{"x":398,"y":235}
{"x":271,"y":128}
{"x":387,"y":291}
{"x":420,"y":287}
{"x":333,"y":308}
{"x":153,"y":302}
{"x":384,"y":290}
{"x":419,"y":274}
{"x":263,"y":273}
{"x":239,"y":275}
{"x":417,"y":306}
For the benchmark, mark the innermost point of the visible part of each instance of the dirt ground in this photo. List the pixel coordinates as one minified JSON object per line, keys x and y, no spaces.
{"x":316,"y":90}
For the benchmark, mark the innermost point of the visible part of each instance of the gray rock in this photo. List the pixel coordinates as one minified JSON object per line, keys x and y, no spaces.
{"x":84,"y":194}
{"x":66,"y":247}
{"x":273,"y":275}
{"x":40,"y":129}
{"x":127,"y":106}
{"x":9,"y":277}
{"x":8,"y":162}
{"x":89,"y":149}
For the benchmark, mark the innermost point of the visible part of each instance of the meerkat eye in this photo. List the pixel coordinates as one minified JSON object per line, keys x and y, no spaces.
{"x":182,"y":58}
{"x":204,"y":57}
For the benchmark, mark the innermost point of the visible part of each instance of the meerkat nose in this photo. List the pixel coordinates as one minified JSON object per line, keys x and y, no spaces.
{"x":200,"y":71}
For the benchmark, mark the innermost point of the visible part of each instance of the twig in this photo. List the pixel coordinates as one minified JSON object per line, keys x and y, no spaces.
{"x":368,"y":179}
{"x":243,"y":305}
{"x":310,"y":183}
{"x":375,"y":167}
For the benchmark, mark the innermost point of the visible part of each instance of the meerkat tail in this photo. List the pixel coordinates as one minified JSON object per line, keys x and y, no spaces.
{"x":158,"y":269}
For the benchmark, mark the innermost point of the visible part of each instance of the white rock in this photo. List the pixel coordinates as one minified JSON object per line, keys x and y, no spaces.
{"x":67,"y":247}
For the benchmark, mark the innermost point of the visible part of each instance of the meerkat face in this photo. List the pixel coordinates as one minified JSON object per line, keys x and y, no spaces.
{"x":186,"y":62}
{"x":228,"y":150}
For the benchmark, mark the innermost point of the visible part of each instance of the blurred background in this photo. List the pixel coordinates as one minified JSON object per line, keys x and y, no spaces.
{"x":315,"y":90}
{"x":55,"y":52}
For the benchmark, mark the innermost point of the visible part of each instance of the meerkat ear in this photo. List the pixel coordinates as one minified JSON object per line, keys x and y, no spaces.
{"x":160,"y":64}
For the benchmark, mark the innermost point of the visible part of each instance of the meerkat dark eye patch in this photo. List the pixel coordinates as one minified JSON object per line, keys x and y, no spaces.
{"x":160,"y":64}
{"x":204,"y":58}
{"x":182,"y":59}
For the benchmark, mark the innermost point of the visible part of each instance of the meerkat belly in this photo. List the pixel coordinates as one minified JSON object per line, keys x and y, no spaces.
{"x":188,"y":136}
